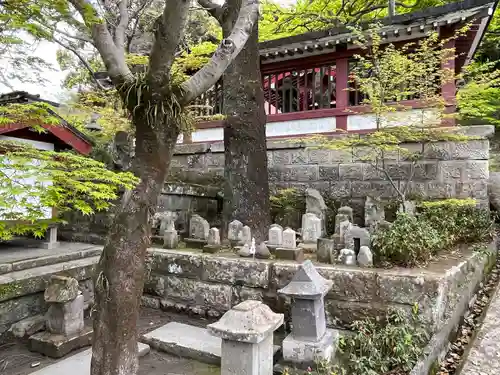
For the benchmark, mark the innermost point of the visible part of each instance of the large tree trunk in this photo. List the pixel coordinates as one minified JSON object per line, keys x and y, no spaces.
{"x":246,"y":189}
{"x":119,"y":278}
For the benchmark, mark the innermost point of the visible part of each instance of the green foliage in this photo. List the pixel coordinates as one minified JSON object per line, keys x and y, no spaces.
{"x":198,"y":56}
{"x":32,"y":181}
{"x":465,"y":223}
{"x":105,"y":107}
{"x":408,"y":242}
{"x":479,"y":100}
{"x":413,"y":240}
{"x":286,"y":205}
{"x":303,"y":16}
{"x":34,"y":114}
{"x":376,"y":348}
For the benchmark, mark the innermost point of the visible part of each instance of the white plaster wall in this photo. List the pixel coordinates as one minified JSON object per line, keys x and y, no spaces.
{"x":411,"y":117}
{"x":203,"y":135}
{"x":273,"y":129}
{"x":306,"y":126}
{"x":47,"y":212}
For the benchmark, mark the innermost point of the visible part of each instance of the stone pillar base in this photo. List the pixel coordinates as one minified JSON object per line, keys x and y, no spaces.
{"x":296,"y":254}
{"x":305,"y":353}
{"x":57,"y":346}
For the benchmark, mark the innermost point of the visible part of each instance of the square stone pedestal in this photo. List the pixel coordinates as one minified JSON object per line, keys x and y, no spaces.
{"x":211,"y":249}
{"x":303,"y":354}
{"x":195,"y":243}
{"x":57,"y":346}
{"x":296,"y":254}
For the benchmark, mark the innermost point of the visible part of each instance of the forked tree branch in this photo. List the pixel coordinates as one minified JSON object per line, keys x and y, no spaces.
{"x":169,"y":29}
{"x":229,"y":48}
{"x":112,"y":56}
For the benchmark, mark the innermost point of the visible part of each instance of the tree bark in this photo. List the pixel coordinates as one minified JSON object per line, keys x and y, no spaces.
{"x":119,"y":278}
{"x":246,"y":187}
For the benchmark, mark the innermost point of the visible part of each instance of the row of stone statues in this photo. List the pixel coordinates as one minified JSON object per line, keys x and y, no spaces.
{"x":349,"y":244}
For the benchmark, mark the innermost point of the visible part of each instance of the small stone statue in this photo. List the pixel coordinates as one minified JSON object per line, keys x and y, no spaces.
{"x":245,"y":251}
{"x":262,"y":251}
{"x":347,"y":257}
{"x":365,"y":257}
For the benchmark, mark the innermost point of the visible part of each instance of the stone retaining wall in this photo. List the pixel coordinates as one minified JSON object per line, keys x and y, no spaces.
{"x":448,"y":169}
{"x":209,"y":285}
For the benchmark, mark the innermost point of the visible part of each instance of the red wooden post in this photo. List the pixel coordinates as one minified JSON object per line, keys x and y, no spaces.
{"x":341,"y":83}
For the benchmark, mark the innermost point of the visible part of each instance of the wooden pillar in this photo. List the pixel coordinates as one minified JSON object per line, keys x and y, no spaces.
{"x":449,"y":88}
{"x":342,"y":93}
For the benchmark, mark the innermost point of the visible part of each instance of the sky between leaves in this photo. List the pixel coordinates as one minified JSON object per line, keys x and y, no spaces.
{"x":52,"y":89}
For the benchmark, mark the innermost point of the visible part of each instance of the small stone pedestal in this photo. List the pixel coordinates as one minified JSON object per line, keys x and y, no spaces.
{"x":64,"y":320}
{"x":310,"y":340}
{"x":289,"y":250}
{"x":247,"y":338}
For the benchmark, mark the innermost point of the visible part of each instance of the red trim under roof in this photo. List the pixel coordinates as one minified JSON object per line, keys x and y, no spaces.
{"x":59,"y":131}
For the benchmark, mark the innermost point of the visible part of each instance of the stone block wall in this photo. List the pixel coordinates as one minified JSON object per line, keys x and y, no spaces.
{"x":447,"y":170}
{"x":209,"y":285}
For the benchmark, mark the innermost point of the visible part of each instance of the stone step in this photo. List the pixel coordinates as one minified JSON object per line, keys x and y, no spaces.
{"x":48,"y":260}
{"x":187,"y":341}
{"x":33,"y":280}
{"x":78,"y":364}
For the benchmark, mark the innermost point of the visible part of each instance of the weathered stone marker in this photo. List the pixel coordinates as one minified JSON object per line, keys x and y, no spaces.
{"x":311,"y":228}
{"x":214,"y":244}
{"x":198,"y":232}
{"x":290,"y":251}
{"x":246,"y":235}
{"x":275,"y":236}
{"x":310,"y":340}
{"x":247,"y":338}
{"x":315,"y":204}
{"x":234,"y":231}
{"x":65,"y":326}
{"x":198,"y":228}
{"x":326,"y":252}
{"x":170,"y":237}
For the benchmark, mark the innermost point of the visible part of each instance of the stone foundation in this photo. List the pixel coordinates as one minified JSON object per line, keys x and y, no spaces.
{"x":209,"y":285}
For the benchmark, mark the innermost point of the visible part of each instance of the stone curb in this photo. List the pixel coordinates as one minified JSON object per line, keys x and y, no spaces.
{"x":48,"y":260}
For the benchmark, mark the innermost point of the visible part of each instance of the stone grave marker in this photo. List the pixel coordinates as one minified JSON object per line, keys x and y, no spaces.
{"x":170,"y":237}
{"x":275,"y":236}
{"x":315,"y":204}
{"x":326,"y":252}
{"x":198,"y":232}
{"x":246,"y":235}
{"x":198,"y":228}
{"x":234,"y":230}
{"x":214,"y":243}
{"x":311,"y":228}
{"x":356,"y":235}
{"x":289,"y":250}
